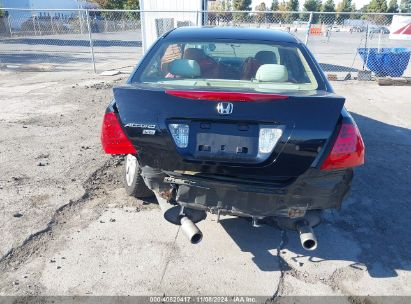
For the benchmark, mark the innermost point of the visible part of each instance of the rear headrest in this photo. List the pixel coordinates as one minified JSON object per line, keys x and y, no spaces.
{"x":194,"y":54}
{"x":272,"y":73}
{"x":184,"y":68}
{"x":266,"y":57}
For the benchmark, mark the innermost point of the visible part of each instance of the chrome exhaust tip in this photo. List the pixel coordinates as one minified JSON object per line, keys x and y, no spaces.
{"x":191,"y":231}
{"x":307,"y":236}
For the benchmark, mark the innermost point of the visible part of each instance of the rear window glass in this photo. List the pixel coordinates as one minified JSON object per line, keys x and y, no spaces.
{"x":246,"y":66}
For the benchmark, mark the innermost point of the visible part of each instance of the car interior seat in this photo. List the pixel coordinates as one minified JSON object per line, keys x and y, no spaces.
{"x":208,"y":67}
{"x":185,"y":68}
{"x":251,"y":65}
{"x":266,"y":57}
{"x":272,"y":73}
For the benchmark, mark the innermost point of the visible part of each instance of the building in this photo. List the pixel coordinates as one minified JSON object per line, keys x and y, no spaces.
{"x":161,"y":16}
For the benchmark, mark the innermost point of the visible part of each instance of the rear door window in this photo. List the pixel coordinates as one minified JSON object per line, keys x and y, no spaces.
{"x":230,"y":65}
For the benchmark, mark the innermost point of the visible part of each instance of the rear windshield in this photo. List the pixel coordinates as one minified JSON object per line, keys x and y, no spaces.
{"x":243,"y":66}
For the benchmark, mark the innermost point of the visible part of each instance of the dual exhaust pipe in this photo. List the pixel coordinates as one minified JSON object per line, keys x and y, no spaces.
{"x":307,"y":236}
{"x":194,"y":234}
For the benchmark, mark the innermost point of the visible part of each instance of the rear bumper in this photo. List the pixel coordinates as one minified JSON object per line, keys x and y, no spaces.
{"x":314,"y":189}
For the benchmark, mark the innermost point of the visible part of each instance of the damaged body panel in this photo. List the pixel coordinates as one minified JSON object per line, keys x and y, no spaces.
{"x":311,"y":191}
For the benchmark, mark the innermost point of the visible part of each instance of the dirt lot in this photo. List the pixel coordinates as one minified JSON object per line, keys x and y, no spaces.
{"x":68,"y":228}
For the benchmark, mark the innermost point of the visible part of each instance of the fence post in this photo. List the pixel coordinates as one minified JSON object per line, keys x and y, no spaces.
{"x":9,"y":23}
{"x":379,"y":40}
{"x":80,"y":18}
{"x":143,"y":28}
{"x":91,"y":41}
{"x":308,"y":28}
{"x":39,"y":27}
{"x":34,"y":25}
{"x":52,"y":27}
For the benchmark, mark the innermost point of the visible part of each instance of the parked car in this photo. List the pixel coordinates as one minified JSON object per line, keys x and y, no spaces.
{"x":333,"y":28}
{"x":358,"y":29}
{"x":378,"y":29}
{"x":234,"y":121}
{"x":385,"y":30}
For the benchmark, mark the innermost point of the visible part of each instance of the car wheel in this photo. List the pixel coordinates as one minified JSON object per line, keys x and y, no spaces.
{"x":133,"y":181}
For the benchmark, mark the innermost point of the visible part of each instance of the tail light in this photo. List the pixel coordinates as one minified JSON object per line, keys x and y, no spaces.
{"x":225,"y":96}
{"x":113,"y":138}
{"x":348,"y":149}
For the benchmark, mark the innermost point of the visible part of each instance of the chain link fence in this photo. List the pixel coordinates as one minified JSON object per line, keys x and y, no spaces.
{"x":71,"y":39}
{"x":347,"y":45}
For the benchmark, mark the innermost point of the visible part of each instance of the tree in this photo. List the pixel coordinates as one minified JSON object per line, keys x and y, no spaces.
{"x":2,"y":12}
{"x":328,"y":6}
{"x":384,"y":6}
{"x":220,"y":10}
{"x":261,"y":7}
{"x":118,"y":4}
{"x":392,"y":6}
{"x":241,"y":5}
{"x":220,"y":5}
{"x":132,"y":4}
{"x":405,"y":6}
{"x":292,"y":5}
{"x":286,"y":6}
{"x":274,"y":5}
{"x":345,"y":6}
{"x":282,"y":7}
{"x":3,"y":27}
{"x":311,"y":6}
{"x":377,"y":6}
{"x":364,"y":9}
{"x":110,"y":4}
{"x":261,"y":17}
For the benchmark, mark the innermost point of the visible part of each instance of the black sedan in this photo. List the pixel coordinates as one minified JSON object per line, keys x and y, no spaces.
{"x":234,"y":121}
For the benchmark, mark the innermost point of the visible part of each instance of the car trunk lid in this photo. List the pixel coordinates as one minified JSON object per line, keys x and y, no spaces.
{"x":227,"y":133}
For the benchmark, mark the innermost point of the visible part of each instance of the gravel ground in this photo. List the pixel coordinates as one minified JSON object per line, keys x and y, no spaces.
{"x":68,"y":228}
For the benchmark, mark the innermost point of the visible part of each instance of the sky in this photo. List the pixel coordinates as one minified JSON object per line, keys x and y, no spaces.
{"x":358,"y":3}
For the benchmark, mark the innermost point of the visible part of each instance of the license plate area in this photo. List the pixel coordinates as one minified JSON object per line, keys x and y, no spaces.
{"x":231,"y":142}
{"x":225,"y":147}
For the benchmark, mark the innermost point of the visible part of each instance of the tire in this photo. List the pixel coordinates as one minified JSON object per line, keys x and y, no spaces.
{"x":133,"y":181}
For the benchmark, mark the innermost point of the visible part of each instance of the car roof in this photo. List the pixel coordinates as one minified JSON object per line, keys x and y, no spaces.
{"x":235,"y":33}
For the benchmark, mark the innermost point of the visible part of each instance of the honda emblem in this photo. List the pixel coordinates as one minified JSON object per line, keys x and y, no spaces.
{"x":225,"y":108}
